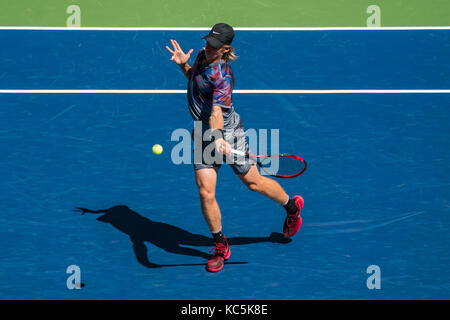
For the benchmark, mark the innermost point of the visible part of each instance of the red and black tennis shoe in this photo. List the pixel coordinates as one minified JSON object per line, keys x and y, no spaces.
{"x":221,"y":254}
{"x":293,"y":221}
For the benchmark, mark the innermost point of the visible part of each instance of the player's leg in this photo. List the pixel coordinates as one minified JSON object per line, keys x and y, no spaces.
{"x":248,"y":172}
{"x":263,"y":185}
{"x":206,"y":179}
{"x":273,"y":190}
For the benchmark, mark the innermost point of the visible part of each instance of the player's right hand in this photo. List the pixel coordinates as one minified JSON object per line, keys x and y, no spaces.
{"x":223,"y":146}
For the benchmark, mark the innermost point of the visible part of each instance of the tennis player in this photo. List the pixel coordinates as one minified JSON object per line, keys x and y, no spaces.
{"x":210,"y":86}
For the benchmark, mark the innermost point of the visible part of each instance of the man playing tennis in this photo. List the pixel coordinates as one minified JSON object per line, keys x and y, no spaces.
{"x":210,"y":86}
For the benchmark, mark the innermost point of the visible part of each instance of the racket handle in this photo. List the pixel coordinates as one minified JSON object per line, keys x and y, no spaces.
{"x":239,"y":153}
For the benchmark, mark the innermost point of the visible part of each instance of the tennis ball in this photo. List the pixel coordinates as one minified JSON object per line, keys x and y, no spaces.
{"x":157,"y":149}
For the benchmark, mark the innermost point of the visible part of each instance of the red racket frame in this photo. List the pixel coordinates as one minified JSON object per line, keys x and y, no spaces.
{"x":257,"y":156}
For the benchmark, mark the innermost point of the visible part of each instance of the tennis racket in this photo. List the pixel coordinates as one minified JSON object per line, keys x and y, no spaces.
{"x":277,"y":165}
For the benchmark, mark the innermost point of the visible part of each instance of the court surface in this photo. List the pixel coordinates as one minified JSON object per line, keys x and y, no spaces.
{"x":376,"y":189}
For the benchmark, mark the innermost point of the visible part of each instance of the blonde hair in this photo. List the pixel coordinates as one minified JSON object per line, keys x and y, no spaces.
{"x":229,"y":55}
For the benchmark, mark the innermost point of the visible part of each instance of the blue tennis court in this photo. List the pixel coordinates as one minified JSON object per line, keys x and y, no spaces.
{"x":376,"y":189}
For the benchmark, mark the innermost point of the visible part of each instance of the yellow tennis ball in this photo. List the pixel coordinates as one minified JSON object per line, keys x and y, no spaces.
{"x":157,"y":149}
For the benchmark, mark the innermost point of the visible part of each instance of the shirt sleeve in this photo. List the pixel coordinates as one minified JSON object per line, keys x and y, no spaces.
{"x":223,"y":88}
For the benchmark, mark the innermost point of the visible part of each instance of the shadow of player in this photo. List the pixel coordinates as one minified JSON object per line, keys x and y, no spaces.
{"x":165,"y":236}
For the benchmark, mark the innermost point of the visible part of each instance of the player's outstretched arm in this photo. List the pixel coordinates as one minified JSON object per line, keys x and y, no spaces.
{"x":180,"y":58}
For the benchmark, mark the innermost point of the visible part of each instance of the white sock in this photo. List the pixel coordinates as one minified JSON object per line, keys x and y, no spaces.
{"x":286,"y":201}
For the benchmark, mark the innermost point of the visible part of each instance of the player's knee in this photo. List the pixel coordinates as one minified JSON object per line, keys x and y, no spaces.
{"x":206,"y":194}
{"x":254,"y":186}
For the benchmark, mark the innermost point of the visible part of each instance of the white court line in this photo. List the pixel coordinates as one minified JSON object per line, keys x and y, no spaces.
{"x":81,"y":91}
{"x":345,"y":91}
{"x":236,"y":28}
{"x":89,"y":91}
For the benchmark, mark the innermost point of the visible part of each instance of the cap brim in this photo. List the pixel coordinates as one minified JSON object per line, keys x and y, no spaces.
{"x":213,"y":42}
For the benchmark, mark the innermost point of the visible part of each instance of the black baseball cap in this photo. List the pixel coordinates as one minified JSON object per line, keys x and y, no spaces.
{"x":220,"y":35}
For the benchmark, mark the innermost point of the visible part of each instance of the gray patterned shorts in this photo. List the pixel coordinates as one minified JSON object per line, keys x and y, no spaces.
{"x":205,"y":154}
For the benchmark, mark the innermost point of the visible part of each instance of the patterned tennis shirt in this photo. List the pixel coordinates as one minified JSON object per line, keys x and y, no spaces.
{"x":211,"y":84}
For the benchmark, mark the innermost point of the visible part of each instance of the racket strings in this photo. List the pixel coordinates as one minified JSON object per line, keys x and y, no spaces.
{"x":282,"y":165}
